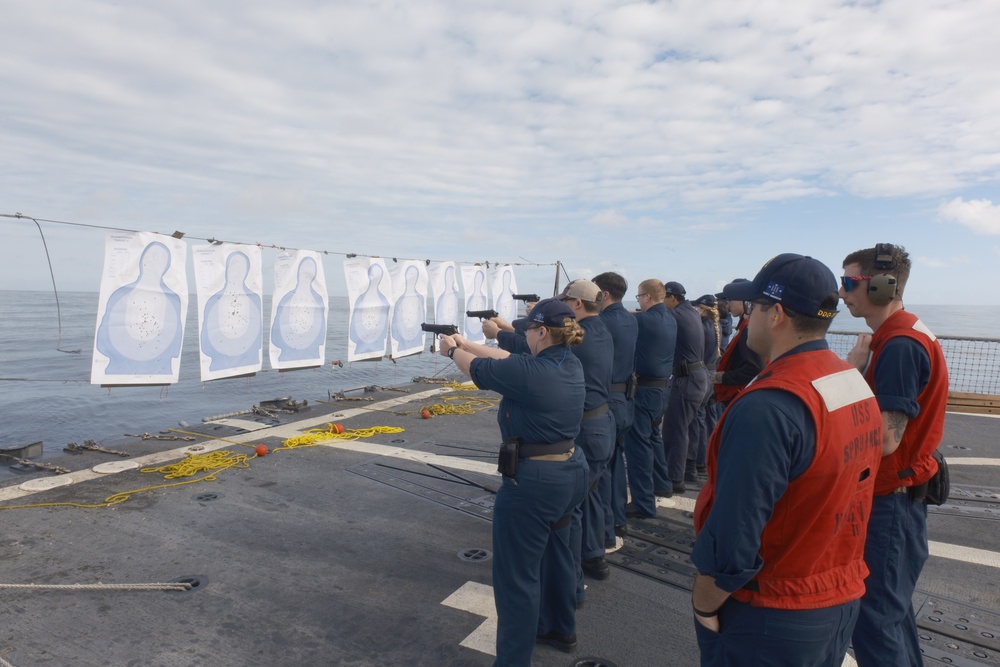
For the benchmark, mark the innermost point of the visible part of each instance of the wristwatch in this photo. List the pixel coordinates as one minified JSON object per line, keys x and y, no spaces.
{"x":451,"y":353}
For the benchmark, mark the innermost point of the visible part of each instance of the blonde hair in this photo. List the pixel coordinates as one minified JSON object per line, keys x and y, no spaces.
{"x":570,"y":333}
{"x":712,"y":313}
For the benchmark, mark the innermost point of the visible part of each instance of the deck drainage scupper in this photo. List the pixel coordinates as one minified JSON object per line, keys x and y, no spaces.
{"x":475,"y":555}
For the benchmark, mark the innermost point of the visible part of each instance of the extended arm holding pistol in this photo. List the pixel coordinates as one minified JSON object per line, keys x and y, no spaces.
{"x":439,"y":330}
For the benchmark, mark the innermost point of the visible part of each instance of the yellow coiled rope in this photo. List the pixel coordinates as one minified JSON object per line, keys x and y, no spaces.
{"x":194,"y":464}
{"x":212,"y":462}
{"x":461,"y":405}
{"x":315,"y":436}
{"x":215,"y":462}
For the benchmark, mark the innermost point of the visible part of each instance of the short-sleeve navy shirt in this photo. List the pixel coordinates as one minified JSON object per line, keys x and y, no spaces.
{"x":624,"y":330}
{"x":902,"y":371}
{"x":690,"y":345}
{"x":542,"y":395}
{"x":654,"y":346}
{"x":597,"y":354}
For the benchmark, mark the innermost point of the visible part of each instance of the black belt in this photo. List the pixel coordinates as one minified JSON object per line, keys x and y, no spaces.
{"x":652,"y":382}
{"x":618,"y":388}
{"x":526,"y":450}
{"x":683,"y":370}
{"x":596,"y":412}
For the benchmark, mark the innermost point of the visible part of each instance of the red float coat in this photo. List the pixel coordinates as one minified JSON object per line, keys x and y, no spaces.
{"x":725,"y":393}
{"x":812,"y":547}
{"x":912,"y":463}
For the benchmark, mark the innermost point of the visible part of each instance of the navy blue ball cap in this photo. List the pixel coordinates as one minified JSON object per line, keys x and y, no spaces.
{"x":675,"y":288}
{"x":548,"y":313}
{"x":706,"y":300}
{"x":797,"y":282}
{"x":722,"y":295}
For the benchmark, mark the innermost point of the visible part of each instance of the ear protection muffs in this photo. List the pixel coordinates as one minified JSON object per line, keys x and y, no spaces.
{"x":882,"y":288}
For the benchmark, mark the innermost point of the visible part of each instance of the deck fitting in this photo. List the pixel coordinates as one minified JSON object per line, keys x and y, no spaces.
{"x":475,"y":555}
{"x":195,"y":581}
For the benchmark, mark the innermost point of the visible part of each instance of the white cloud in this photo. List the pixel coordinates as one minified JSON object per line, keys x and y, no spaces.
{"x":980,"y":215}
{"x":946,"y":262}
{"x":606,"y":219}
{"x":934,"y":262}
{"x":389,"y":123}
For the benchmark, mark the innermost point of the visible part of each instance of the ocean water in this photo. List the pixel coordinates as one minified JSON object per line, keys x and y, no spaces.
{"x":46,"y":393}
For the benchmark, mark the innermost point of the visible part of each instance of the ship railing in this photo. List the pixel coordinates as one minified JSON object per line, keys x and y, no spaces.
{"x":973,"y":369}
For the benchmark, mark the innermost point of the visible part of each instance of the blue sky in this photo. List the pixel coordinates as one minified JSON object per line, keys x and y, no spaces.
{"x":687,"y":140}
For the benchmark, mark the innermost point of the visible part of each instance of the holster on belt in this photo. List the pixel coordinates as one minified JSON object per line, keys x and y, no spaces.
{"x":510,"y":454}
{"x":627,"y":387}
{"x":918,"y":492}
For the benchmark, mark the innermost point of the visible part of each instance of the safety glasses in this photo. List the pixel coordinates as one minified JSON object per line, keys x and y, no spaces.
{"x":850,"y":282}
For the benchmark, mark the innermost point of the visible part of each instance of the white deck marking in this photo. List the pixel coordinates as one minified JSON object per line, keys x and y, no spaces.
{"x":682,"y":503}
{"x":244,"y":424}
{"x":972,"y":461}
{"x":477,"y":599}
{"x":284,"y":432}
{"x":368,"y":447}
{"x":965,"y":554}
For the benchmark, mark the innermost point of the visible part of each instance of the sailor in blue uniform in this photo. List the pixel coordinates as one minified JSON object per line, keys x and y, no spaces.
{"x":534,"y":576}
{"x":654,"y":360}
{"x":708,"y":415}
{"x":624,"y":330}
{"x":597,"y":432}
{"x":687,"y":389}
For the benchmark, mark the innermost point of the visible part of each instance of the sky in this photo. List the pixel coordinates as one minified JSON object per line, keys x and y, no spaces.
{"x":687,"y":140}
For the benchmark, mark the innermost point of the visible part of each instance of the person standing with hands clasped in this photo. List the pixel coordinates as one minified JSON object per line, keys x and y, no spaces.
{"x":544,"y":478}
{"x":781,"y":521}
{"x":905,"y":366}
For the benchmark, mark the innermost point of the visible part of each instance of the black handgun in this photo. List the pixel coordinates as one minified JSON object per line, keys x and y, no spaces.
{"x":440,"y":329}
{"x":527,"y":298}
{"x":482,"y":314}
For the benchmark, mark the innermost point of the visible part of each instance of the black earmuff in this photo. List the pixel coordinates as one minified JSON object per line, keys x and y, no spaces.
{"x":882,"y":288}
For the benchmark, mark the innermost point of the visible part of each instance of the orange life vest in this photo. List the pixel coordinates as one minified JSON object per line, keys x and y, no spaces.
{"x":813,"y":545}
{"x":913,"y":463}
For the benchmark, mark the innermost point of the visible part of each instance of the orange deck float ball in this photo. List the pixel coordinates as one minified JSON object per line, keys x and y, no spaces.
{"x":261,"y":450}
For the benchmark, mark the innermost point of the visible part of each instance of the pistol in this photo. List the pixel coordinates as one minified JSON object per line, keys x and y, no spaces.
{"x":527,"y":298}
{"x":482,"y":314}
{"x":440,"y":329}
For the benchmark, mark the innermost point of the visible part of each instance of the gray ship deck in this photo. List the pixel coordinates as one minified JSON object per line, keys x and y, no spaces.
{"x":377,"y":552}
